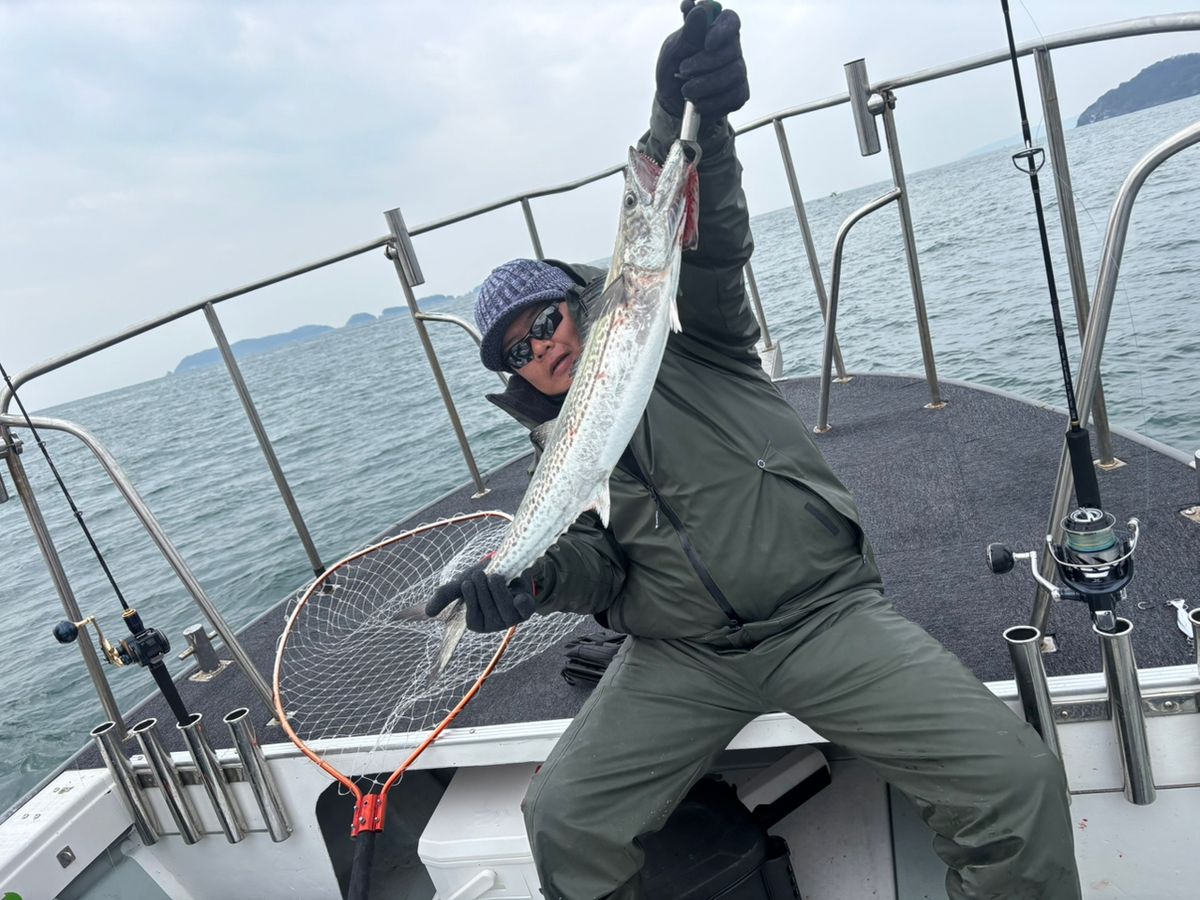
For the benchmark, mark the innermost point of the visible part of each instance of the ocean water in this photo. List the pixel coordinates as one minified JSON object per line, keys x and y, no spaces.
{"x":362,"y":434}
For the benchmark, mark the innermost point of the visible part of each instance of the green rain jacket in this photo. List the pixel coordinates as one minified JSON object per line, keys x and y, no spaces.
{"x":709,"y":515}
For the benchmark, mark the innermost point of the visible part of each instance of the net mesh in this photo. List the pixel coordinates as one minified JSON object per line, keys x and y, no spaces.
{"x":354,"y":665}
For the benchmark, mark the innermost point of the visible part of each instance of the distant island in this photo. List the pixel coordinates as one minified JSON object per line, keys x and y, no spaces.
{"x":1162,"y":82}
{"x":253,"y":346}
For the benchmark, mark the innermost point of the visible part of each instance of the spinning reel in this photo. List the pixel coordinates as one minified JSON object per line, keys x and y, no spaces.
{"x":1094,"y":561}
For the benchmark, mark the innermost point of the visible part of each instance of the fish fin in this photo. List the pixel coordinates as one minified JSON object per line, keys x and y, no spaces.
{"x":613,"y":296}
{"x":676,"y":325}
{"x":541,"y":434}
{"x":601,"y":504}
{"x":456,"y":627}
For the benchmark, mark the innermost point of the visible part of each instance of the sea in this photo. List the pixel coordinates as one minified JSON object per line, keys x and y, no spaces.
{"x":363,"y":436}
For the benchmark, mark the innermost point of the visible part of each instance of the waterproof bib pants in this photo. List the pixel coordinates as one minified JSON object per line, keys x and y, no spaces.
{"x":859,"y":674}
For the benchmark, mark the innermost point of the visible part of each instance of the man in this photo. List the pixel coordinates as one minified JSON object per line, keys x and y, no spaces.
{"x":735,"y":559}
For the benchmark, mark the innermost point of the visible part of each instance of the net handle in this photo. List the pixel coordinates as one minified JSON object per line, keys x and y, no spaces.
{"x":277,"y":695}
{"x":453,"y":714}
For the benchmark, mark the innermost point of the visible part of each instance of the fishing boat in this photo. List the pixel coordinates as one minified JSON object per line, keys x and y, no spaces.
{"x":944,"y":470}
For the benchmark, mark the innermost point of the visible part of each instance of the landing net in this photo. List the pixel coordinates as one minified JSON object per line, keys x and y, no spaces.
{"x":354,"y":663}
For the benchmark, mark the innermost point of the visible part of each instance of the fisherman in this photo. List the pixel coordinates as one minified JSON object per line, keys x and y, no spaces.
{"x":735,"y":560}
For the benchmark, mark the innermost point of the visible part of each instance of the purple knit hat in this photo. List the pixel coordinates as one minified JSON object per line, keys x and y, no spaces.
{"x":508,"y":290}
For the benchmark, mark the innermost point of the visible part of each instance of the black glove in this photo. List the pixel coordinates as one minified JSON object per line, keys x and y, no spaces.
{"x":703,"y":63}
{"x":492,"y":604}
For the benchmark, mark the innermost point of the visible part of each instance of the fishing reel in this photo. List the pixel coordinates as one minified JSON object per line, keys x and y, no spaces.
{"x":1094,"y":561}
{"x":145,"y":646}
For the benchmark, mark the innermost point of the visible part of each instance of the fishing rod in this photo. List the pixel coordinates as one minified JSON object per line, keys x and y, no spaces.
{"x":145,"y":647}
{"x":1093,"y":561}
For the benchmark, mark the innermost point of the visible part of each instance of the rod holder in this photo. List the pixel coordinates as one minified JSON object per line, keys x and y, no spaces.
{"x":1024,"y":648}
{"x":266,"y":794}
{"x":859,"y":86}
{"x":401,"y":248}
{"x":107,"y":738}
{"x":167,"y":778}
{"x":212,"y":776}
{"x":1125,"y":701}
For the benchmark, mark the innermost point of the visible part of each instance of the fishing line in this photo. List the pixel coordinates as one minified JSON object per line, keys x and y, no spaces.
{"x":1042,"y":39}
{"x":37,"y":436}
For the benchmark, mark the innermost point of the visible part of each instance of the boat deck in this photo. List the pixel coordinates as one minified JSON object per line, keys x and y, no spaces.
{"x":934,"y":488}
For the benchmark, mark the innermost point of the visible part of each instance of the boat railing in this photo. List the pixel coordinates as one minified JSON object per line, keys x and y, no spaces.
{"x":398,"y":246}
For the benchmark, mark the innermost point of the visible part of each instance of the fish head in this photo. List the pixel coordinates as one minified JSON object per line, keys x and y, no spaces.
{"x":659,"y":207}
{"x":635,"y":231}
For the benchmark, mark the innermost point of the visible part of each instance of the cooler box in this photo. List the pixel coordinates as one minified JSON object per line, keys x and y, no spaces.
{"x":474,"y":847}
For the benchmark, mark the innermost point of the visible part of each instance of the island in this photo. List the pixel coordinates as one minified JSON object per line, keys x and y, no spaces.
{"x":253,"y":346}
{"x":1164,"y":81}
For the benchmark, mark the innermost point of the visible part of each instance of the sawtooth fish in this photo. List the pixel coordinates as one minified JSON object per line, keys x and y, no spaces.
{"x":626,"y":336}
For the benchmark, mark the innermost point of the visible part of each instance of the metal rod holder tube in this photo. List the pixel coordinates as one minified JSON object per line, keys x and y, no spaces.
{"x":910,"y":253}
{"x":1194,"y":618}
{"x":810,"y":248}
{"x":1024,"y":648}
{"x":859,"y":87}
{"x":1070,"y":230}
{"x":167,"y":777}
{"x":145,"y":822}
{"x":213,"y":778}
{"x":266,"y":794}
{"x":1125,"y":700}
{"x":264,"y":440}
{"x":834,"y":289}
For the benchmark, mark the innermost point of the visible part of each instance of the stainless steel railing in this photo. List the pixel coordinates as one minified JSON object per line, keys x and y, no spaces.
{"x":399,"y":247}
{"x":834,"y":288}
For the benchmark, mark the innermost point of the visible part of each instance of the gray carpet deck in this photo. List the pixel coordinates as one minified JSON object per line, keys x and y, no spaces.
{"x":934,"y":488}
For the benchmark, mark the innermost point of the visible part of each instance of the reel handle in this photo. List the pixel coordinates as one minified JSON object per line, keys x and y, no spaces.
{"x":999,"y":559}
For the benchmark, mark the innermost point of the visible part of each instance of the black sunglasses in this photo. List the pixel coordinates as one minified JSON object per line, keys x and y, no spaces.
{"x":542,"y":328}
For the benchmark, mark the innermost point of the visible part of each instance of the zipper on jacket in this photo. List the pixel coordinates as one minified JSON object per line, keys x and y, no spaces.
{"x":689,"y":549}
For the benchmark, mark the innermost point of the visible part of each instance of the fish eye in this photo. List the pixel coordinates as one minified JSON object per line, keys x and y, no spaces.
{"x":630,"y":200}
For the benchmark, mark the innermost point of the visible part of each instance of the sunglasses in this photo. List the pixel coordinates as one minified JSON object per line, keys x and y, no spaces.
{"x":542,"y":328}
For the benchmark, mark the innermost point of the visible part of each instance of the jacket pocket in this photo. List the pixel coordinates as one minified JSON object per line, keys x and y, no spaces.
{"x":820,"y":515}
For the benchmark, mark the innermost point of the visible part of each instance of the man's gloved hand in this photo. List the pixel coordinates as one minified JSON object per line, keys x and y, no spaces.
{"x":491,"y":603}
{"x":703,"y":63}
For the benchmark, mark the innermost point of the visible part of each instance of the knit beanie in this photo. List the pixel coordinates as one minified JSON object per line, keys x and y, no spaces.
{"x":510,"y":288}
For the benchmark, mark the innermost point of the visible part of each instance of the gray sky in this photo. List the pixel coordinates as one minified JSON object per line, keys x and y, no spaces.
{"x":155,"y":153}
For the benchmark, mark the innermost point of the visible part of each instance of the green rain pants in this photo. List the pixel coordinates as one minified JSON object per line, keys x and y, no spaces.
{"x":856,"y":672}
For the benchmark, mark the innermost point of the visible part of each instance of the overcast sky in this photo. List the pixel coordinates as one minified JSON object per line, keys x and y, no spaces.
{"x":155,"y":153}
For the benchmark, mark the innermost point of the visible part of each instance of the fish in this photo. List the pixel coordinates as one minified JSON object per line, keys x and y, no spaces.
{"x":623,"y":347}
